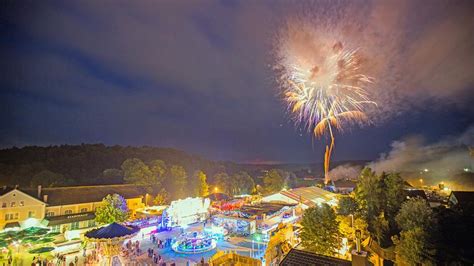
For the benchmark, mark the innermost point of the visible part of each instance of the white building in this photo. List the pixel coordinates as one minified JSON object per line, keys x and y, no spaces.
{"x":307,"y":196}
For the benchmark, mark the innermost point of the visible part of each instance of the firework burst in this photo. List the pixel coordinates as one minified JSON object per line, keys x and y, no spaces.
{"x":323,"y":83}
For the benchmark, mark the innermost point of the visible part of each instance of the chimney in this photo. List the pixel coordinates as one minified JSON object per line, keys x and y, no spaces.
{"x":45,"y":198}
{"x":39,"y":191}
{"x":17,"y":186}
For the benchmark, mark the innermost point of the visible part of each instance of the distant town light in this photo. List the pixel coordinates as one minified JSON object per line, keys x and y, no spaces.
{"x":426,"y":170}
{"x":466,"y":170}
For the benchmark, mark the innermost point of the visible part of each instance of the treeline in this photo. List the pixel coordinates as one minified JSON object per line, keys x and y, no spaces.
{"x":176,"y":182}
{"x":173,"y":170}
{"x":87,"y":164}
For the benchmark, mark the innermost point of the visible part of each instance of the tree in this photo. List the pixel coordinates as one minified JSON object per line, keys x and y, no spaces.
{"x":244,"y":183}
{"x":415,"y":245}
{"x":113,"y":209}
{"x":394,"y":197}
{"x":379,"y":198}
{"x":47,"y":178}
{"x":273,"y":181}
{"x":179,"y":181}
{"x":380,"y":229}
{"x":411,"y":247}
{"x":348,"y":225}
{"x":161,"y":198}
{"x":241,"y":183}
{"x":137,"y":172}
{"x":203,"y":187}
{"x":158,"y":169}
{"x":320,"y":231}
{"x":414,"y":213}
{"x":347,"y":206}
{"x":224,"y":183}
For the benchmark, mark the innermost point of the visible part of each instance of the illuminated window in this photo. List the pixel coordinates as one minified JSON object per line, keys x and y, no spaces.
{"x":56,"y":228}
{"x":12,"y":204}
{"x":74,"y":225}
{"x":11,"y":216}
{"x":22,"y":203}
{"x":49,"y":214}
{"x":84,"y":210}
{"x":68,"y":212}
{"x":31,"y":214}
{"x":91,"y":223}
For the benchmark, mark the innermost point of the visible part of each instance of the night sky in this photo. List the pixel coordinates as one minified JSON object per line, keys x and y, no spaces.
{"x":197,"y":75}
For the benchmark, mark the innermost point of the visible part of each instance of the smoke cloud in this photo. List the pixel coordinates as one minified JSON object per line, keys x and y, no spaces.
{"x":446,"y":161}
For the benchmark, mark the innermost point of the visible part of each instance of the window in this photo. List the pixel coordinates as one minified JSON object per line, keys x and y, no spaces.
{"x":84,"y":210}
{"x":49,"y":214}
{"x":56,"y":228}
{"x":11,"y":216}
{"x":74,"y":225}
{"x":12,"y":204}
{"x":91,"y":223}
{"x":68,"y":212}
{"x":31,"y":214}
{"x":22,"y":203}
{"x":4,"y":204}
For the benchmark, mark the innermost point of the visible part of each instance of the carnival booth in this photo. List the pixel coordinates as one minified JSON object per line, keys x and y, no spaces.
{"x":186,"y":211}
{"x":109,"y":240}
{"x":235,"y":225}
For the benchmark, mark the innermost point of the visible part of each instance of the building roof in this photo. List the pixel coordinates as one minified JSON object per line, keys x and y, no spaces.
{"x":463,"y":200}
{"x":112,"y":230}
{"x":12,"y":225}
{"x":413,"y":193}
{"x":4,"y":190}
{"x":266,"y":208}
{"x":301,"y":257}
{"x":345,"y":183}
{"x":464,"y":196}
{"x":308,"y":195}
{"x":85,"y":194}
{"x":218,"y":197}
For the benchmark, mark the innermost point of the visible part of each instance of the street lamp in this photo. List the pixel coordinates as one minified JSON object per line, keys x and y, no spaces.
{"x":216,"y":189}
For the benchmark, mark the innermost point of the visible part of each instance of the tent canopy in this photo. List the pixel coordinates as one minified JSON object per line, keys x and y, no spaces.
{"x":112,"y":230}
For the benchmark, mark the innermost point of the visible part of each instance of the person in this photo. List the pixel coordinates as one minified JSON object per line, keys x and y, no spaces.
{"x":76,"y":260}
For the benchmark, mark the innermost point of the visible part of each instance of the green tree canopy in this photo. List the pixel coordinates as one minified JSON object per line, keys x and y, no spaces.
{"x":347,"y":206}
{"x":415,"y":244}
{"x":47,"y":178}
{"x":161,"y":198}
{"x":179,"y":180}
{"x":244,"y":183}
{"x":224,"y":183}
{"x":158,"y":169}
{"x":415,"y":212}
{"x":137,"y":172}
{"x":379,"y":198}
{"x":113,"y":209}
{"x":320,"y":231}
{"x":412,"y":248}
{"x":273,"y":181}
{"x":203,"y":187}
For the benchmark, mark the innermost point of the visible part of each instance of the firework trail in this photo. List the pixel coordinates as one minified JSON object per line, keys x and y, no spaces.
{"x":322,"y":81}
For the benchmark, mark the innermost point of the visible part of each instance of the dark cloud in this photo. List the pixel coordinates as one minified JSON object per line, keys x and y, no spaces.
{"x":197,"y":75}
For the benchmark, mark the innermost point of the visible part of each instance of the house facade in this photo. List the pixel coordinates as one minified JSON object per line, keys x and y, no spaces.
{"x":69,"y":210}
